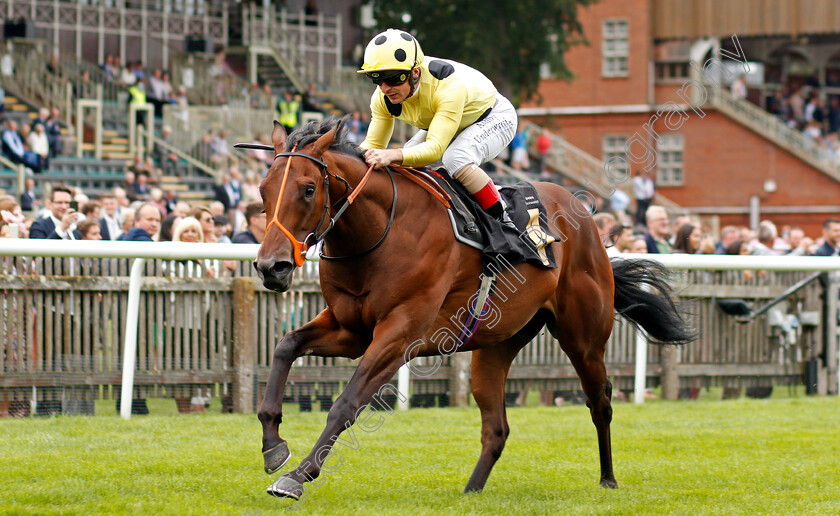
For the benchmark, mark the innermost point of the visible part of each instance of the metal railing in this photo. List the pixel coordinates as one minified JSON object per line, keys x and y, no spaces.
{"x":773,"y":129}
{"x":191,"y":129}
{"x":310,"y":44}
{"x":578,"y":165}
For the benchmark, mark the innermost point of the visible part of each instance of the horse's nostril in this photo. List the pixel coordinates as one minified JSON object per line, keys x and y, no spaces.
{"x":281,"y":268}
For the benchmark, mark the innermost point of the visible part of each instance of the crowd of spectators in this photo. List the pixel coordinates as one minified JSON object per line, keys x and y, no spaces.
{"x":33,"y":144}
{"x":68,"y":214}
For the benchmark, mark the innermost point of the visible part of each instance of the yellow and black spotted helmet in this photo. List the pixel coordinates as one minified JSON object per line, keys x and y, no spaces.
{"x":391,"y":51}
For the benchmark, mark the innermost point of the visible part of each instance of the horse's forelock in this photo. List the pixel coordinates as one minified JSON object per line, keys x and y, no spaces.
{"x":311,"y":131}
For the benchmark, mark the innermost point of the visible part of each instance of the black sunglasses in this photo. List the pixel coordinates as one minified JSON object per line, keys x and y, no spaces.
{"x":395,"y":79}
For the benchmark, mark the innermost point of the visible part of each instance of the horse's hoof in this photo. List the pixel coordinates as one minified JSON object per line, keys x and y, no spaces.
{"x":285,"y":487}
{"x":609,"y":482}
{"x":276,"y":457}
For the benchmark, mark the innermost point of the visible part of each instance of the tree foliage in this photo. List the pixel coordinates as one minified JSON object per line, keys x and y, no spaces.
{"x":507,"y":40}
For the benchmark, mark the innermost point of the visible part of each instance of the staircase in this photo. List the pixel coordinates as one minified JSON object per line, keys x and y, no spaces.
{"x":579,"y":166}
{"x":770,"y":127}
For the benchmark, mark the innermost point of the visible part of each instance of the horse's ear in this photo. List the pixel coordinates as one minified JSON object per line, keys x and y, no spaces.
{"x":323,"y":143}
{"x":278,"y":137}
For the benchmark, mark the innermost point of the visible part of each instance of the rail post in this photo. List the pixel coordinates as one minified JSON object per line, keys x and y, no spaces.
{"x":244,"y":345}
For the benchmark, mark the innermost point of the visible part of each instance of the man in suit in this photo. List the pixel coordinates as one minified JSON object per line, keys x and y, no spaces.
{"x":831,"y":235}
{"x":109,"y":224}
{"x":28,"y":200}
{"x":146,"y":224}
{"x":229,"y":192}
{"x":255,"y":231}
{"x":60,"y":222}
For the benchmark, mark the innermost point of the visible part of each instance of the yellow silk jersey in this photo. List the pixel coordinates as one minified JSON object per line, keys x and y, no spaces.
{"x":449,"y":97}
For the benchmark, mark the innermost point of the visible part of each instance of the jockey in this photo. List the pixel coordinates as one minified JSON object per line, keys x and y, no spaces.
{"x":464,"y":121}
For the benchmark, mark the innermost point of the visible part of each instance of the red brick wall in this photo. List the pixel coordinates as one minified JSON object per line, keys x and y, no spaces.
{"x":724,"y":164}
{"x":588,"y":87}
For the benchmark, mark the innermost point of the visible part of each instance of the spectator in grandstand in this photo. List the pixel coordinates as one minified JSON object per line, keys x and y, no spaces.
{"x":182,"y":208}
{"x":166,"y":160}
{"x":53,"y":127}
{"x":205,"y":217}
{"x":831,"y":237}
{"x":126,"y":220}
{"x":800,"y":245}
{"x":814,"y":110}
{"x":220,"y":149}
{"x":619,"y":203}
{"x":221,"y":228}
{"x":543,"y":148}
{"x":767,"y":234}
{"x":91,"y":210}
{"x":28,"y":200}
{"x":657,"y":236}
{"x":189,"y":230}
{"x":109,"y":222}
{"x":519,"y":149}
{"x":146,"y":224}
{"x":621,"y":238}
{"x":288,"y":108}
{"x":797,"y":107}
{"x":229,"y":192}
{"x":90,"y":230}
{"x":108,"y":67}
{"x":687,"y":240}
{"x":43,"y":116}
{"x":156,"y":93}
{"x":39,"y":144}
{"x":84,"y":87}
{"x":267,"y":100}
{"x":355,"y":128}
{"x":140,"y":188}
{"x":739,"y":88}
{"x":639,"y":245}
{"x":728,"y":235}
{"x":256,"y":220}
{"x":14,"y":149}
{"x":156,"y":197}
{"x":604,"y":222}
{"x":170,"y":200}
{"x":251,"y":187}
{"x":137,"y":93}
{"x":167,"y":227}
{"x":643,"y":191}
{"x":309,"y":100}
{"x":60,"y":222}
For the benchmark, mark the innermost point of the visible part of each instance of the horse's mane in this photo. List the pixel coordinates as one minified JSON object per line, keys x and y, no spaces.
{"x":313,"y":130}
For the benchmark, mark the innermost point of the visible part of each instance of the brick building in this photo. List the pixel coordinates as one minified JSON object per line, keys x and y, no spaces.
{"x":727,"y":160}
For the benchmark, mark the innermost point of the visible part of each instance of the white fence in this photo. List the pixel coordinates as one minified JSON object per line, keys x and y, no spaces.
{"x":183,"y":251}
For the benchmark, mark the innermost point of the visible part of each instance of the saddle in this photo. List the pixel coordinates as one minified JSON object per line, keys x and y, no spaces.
{"x":474,"y":227}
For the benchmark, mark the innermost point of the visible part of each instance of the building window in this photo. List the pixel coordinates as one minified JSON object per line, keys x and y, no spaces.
{"x":669,"y":158}
{"x":614,"y":48}
{"x":613,"y":146}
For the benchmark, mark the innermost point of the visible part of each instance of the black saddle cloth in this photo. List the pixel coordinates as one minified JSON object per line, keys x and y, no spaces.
{"x":474,"y":227}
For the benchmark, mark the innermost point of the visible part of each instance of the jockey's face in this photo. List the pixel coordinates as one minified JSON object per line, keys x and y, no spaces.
{"x":397,"y":94}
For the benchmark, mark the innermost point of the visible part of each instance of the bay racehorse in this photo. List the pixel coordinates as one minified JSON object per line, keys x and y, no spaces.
{"x":393,"y":275}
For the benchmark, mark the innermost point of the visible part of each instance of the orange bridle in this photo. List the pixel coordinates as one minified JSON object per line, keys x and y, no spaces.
{"x":299,"y":248}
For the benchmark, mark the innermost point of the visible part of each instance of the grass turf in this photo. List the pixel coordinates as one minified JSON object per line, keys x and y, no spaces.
{"x":774,"y":456}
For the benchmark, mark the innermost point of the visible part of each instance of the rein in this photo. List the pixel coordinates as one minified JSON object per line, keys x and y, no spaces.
{"x":318,"y":235}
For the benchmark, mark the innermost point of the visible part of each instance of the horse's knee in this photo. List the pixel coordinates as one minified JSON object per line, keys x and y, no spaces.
{"x":286,"y":350}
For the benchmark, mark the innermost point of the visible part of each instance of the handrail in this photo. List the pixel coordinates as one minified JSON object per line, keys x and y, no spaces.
{"x":186,"y":157}
{"x":774,"y":130}
{"x":21,"y":173}
{"x":579,"y":166}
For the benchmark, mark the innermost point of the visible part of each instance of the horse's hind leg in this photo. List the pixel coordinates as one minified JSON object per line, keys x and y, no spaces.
{"x":490,"y":367}
{"x":584,"y":344}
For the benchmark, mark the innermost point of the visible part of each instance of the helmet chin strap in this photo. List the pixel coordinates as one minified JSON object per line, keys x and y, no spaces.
{"x":413,"y":83}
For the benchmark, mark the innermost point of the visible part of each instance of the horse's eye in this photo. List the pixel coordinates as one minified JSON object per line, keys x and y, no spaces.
{"x":309,"y":191}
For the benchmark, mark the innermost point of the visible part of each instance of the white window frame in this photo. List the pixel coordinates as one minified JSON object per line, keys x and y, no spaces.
{"x":670,"y":158}
{"x":615,"y":47}
{"x":613,"y":145}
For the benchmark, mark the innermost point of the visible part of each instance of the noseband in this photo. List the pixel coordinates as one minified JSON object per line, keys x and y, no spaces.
{"x":300,"y":248}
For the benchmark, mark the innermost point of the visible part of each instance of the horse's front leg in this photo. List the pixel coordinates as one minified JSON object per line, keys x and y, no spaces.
{"x":322,"y":336}
{"x":378,"y":365}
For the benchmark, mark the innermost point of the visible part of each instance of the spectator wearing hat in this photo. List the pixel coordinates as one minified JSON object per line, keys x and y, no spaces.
{"x":220,"y":229}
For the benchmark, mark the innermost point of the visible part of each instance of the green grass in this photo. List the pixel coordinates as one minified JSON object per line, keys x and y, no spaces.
{"x":775,"y":456}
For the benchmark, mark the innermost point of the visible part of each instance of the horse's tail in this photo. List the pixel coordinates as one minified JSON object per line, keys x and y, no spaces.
{"x":643,"y":296}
